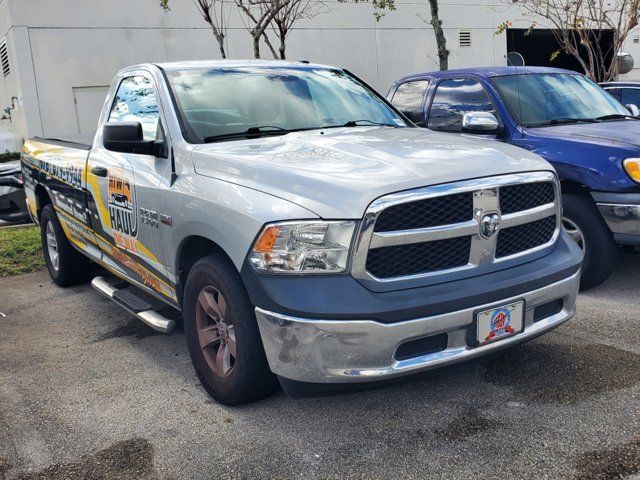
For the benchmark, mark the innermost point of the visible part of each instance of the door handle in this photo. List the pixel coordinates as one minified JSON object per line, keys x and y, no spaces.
{"x":99,"y":171}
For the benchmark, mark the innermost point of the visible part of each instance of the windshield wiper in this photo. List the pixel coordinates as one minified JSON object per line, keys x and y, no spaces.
{"x":354,"y":123}
{"x":251,"y":132}
{"x":615,"y":116}
{"x":563,"y":120}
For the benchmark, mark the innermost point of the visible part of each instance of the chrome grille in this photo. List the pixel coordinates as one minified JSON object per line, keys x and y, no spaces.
{"x":525,"y":237}
{"x":457,"y":227}
{"x":417,"y":258}
{"x":515,"y":198}
{"x":429,"y":212}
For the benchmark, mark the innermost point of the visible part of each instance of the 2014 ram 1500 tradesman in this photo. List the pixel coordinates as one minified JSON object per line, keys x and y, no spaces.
{"x":303,"y":227}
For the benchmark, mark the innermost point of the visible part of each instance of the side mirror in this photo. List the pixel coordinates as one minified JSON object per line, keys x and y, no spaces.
{"x":633,"y":109}
{"x":127,"y":137}
{"x":480,"y":122}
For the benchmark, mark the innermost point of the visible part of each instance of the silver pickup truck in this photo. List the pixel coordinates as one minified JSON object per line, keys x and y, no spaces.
{"x":301,"y":227}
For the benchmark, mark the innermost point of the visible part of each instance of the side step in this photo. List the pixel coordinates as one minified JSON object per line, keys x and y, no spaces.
{"x":137,"y":302}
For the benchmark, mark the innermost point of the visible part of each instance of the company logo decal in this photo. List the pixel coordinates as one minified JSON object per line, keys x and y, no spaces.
{"x":121,"y":200}
{"x":500,"y":324}
{"x":489,"y":224}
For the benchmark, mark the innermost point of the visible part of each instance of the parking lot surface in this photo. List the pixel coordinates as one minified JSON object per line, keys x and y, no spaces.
{"x":87,"y":391}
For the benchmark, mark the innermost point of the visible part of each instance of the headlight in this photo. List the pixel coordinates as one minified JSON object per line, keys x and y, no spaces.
{"x":303,"y":247}
{"x":632,"y":167}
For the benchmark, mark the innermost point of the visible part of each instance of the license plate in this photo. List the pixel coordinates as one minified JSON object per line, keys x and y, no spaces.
{"x":499,"y":322}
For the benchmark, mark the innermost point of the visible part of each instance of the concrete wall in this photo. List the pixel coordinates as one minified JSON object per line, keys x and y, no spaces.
{"x":64,"y":51}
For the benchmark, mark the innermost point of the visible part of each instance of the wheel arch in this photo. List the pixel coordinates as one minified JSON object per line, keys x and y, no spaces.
{"x":573,"y":187}
{"x":191,"y":249}
{"x":43,"y":198}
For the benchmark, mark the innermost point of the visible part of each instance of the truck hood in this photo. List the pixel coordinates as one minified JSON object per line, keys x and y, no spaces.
{"x":626,"y":132}
{"x":337,"y":173}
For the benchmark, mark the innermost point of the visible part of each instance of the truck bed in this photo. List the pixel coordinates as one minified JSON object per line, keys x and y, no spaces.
{"x":62,"y":142}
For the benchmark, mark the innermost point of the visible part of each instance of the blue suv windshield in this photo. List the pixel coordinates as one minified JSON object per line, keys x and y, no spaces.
{"x":555,"y":98}
{"x":244,"y":102}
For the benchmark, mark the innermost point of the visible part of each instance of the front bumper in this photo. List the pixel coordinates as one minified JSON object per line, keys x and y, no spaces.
{"x":303,"y":345}
{"x":326,"y":351}
{"x":621,"y":212}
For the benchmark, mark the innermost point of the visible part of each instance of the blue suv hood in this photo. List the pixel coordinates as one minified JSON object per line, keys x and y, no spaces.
{"x":626,"y":132}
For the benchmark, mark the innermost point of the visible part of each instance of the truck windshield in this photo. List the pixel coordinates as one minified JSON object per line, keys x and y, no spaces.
{"x":551,"y":99}
{"x":227,"y":103}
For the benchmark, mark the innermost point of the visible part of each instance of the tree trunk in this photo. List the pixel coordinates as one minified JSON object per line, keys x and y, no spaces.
{"x":270,"y":45}
{"x":441,"y":41}
{"x":221,"y":45}
{"x":256,"y":45}
{"x":219,"y":36}
{"x":282,"y":35}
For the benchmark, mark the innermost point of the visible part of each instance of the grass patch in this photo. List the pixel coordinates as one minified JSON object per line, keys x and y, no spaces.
{"x":20,"y":251}
{"x":9,"y":156}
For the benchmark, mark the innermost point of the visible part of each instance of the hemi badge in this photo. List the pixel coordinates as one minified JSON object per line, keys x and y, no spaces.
{"x":165,"y":219}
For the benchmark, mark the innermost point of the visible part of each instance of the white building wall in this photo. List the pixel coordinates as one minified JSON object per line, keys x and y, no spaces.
{"x":63,"y":52}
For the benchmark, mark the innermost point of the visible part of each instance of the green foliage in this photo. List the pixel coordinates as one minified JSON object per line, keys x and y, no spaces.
{"x":8,"y":156}
{"x":164,"y":4}
{"x":554,"y":55}
{"x":20,"y":251}
{"x":529,"y":30}
{"x":500,"y":29}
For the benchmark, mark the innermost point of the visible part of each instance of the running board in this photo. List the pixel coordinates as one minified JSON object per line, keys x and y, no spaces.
{"x":135,"y":302}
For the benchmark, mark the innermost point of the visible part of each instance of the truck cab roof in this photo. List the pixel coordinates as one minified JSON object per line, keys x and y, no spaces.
{"x":484,"y":72}
{"x":301,"y":64}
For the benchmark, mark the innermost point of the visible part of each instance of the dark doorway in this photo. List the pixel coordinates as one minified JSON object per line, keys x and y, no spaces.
{"x":538,"y":46}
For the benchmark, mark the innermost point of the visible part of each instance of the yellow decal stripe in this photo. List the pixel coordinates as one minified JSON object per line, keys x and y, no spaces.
{"x":85,"y":235}
{"x":105,"y":218}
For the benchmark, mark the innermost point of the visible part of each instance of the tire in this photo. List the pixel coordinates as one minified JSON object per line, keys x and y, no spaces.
{"x":215,"y":300}
{"x":582,"y":219}
{"x":70,"y":267}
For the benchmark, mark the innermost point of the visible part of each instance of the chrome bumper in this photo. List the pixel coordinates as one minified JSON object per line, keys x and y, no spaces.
{"x":336,"y":351}
{"x":621,"y":219}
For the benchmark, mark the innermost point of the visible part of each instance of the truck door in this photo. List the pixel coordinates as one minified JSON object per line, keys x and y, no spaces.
{"x":123,"y":190}
{"x":453,"y":98}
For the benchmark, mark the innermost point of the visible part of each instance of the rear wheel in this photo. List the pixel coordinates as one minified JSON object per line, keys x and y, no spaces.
{"x":584,"y":223}
{"x":66,"y":265}
{"x":222,"y":334}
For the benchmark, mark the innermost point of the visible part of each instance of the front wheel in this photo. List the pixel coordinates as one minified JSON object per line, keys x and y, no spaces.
{"x":222,"y":334}
{"x":584,"y":223}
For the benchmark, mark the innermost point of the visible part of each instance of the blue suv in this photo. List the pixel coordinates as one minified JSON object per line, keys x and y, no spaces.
{"x":588,"y":136}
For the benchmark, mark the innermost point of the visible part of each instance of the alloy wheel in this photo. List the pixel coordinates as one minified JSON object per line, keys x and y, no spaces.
{"x":216,"y":333}
{"x":52,"y":246}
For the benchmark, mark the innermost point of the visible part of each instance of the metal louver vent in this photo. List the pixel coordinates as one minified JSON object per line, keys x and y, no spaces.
{"x":464,"y":38}
{"x":4,"y":57}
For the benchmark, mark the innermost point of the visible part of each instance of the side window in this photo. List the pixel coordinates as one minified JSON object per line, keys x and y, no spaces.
{"x":614,"y":92}
{"x":630,"y":95}
{"x":408,"y":99}
{"x":136,"y":101}
{"x":454,"y":98}
{"x":409,"y":95}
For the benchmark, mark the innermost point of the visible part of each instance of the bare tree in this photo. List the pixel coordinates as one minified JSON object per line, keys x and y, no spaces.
{"x":213,"y":12}
{"x":260,"y":14}
{"x":441,"y":41}
{"x":579,"y":27}
{"x":379,"y":6}
{"x":288,"y":16}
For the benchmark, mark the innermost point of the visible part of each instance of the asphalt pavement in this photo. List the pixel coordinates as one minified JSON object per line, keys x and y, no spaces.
{"x":89,"y":392}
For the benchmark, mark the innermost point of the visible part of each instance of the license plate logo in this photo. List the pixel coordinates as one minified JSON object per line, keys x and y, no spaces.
{"x":500,"y":322}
